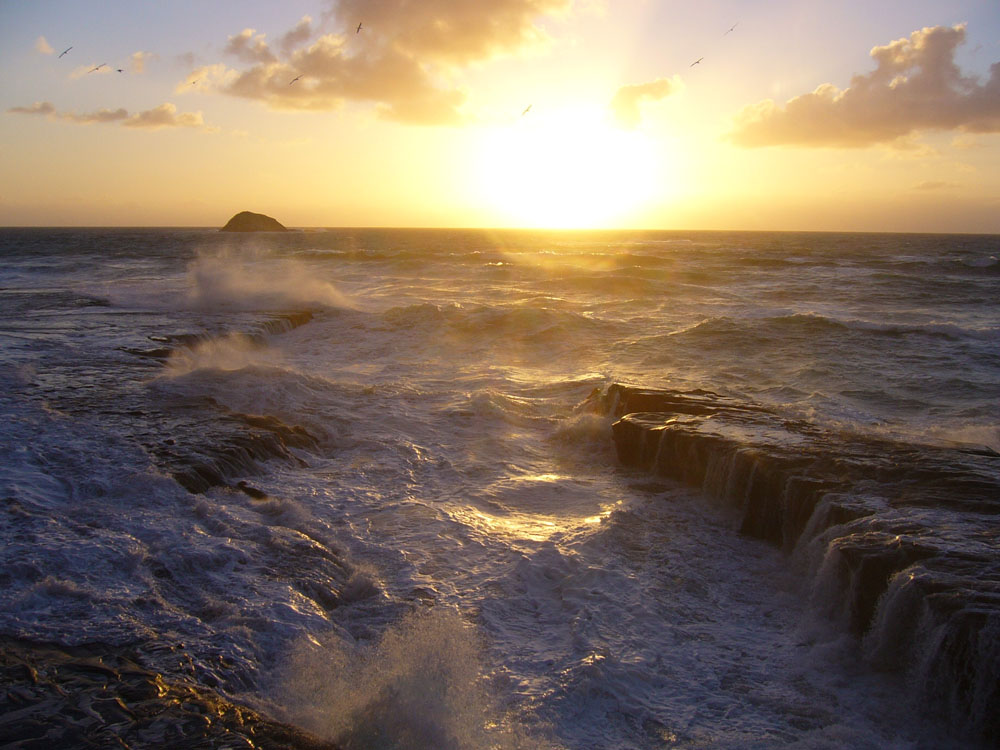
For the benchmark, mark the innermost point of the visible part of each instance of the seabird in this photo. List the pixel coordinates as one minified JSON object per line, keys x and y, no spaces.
{"x":97,"y":68}
{"x":120,"y":70}
{"x":294,"y":80}
{"x":696,"y":62}
{"x":732,"y":27}
{"x":358,"y":30}
{"x":525,"y":110}
{"x":65,"y":51}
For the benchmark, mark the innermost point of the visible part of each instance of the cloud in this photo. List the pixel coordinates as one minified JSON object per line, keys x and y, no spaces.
{"x":41,"y":45}
{"x":296,"y":37}
{"x":916,"y":86}
{"x":250,"y":47}
{"x":100,"y":116}
{"x":452,"y":31}
{"x":163,"y":116}
{"x":399,"y":62}
{"x":38,"y":108}
{"x":934,"y":185}
{"x":627,"y":99}
{"x":137,"y":62}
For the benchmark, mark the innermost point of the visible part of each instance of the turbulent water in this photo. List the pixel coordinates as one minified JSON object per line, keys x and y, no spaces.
{"x":365,"y":482}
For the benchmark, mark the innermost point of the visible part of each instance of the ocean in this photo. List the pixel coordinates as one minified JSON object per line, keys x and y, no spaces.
{"x":368,"y":488}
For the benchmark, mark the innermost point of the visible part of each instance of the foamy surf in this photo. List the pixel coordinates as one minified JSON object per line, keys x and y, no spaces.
{"x":398,"y":519}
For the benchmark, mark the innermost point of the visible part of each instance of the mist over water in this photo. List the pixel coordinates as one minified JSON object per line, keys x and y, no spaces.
{"x":361,"y":480}
{"x":252,"y":278}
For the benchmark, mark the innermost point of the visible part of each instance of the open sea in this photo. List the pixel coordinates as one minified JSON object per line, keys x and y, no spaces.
{"x":498,"y":489}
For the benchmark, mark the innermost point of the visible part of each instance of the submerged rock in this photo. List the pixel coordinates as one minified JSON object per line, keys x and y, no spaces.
{"x":247,"y":221}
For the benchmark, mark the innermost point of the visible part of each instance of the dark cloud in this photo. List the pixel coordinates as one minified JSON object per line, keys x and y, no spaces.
{"x":916,"y":86}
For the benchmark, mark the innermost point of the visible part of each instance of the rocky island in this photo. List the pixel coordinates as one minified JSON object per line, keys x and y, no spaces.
{"x":247,"y":221}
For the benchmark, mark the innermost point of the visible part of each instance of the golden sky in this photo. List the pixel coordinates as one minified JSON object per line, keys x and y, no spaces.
{"x":509,"y":113}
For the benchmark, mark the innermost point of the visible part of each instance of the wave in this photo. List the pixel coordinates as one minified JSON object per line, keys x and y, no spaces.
{"x":812,"y":323}
{"x":538,"y":321}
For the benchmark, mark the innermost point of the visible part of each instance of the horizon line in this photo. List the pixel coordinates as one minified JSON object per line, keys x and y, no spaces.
{"x":592,"y":230}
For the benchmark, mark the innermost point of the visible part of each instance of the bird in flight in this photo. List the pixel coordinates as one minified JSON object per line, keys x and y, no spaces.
{"x":358,"y":30}
{"x":65,"y":51}
{"x":526,"y":110}
{"x":732,"y":27}
{"x":294,"y":80}
{"x":696,"y":62}
{"x":92,"y":70}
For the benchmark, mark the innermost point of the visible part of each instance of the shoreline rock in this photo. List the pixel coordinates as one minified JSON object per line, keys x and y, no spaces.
{"x":95,"y":695}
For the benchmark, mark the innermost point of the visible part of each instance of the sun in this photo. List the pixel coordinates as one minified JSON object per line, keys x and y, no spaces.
{"x":569,"y":169}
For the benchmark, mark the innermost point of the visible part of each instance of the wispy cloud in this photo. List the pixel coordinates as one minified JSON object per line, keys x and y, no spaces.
{"x":38,"y":108}
{"x":400,"y":62}
{"x":627,"y":99}
{"x":163,"y":116}
{"x":41,"y":45}
{"x":932,"y":185}
{"x":916,"y":86}
{"x":138,"y":61}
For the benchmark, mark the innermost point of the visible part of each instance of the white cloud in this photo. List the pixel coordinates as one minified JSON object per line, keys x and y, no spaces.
{"x":41,"y":45}
{"x":627,"y":99}
{"x":915,"y":87}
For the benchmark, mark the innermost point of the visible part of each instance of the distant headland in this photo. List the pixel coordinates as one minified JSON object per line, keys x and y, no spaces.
{"x":247,"y":221}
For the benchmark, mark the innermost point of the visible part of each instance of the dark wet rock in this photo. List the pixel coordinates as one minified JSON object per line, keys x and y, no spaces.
{"x":909,"y":532}
{"x":95,"y":695}
{"x":247,"y":221}
{"x":236,"y":447}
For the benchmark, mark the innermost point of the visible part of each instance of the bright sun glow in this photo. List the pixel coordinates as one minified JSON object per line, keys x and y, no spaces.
{"x":567,"y":170}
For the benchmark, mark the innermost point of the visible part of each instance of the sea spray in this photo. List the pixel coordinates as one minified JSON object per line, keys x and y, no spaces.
{"x":420,"y":686}
{"x":258,"y":279}
{"x":228,"y":352}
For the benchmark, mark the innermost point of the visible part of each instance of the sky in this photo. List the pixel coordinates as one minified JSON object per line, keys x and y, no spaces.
{"x":815,"y":115}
